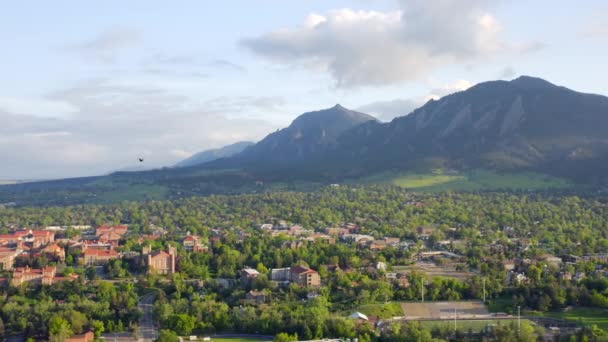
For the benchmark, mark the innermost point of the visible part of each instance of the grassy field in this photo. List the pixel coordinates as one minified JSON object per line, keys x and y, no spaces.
{"x":438,"y":181}
{"x":432,"y":270}
{"x":388,"y":310}
{"x":7,"y":182}
{"x":587,"y":316}
{"x":464,"y":325}
{"x":444,"y":309}
{"x":239,"y":339}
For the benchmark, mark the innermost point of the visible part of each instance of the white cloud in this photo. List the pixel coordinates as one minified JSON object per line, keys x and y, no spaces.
{"x":183,"y":154}
{"x":390,"y":109}
{"x":36,"y":107}
{"x":107,"y":45}
{"x":114,"y":123}
{"x":376,"y":48}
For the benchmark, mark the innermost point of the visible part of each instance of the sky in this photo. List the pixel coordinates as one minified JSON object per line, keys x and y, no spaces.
{"x":89,"y":87}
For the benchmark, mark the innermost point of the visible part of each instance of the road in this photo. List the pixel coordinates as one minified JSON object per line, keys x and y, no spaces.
{"x":147,"y":328}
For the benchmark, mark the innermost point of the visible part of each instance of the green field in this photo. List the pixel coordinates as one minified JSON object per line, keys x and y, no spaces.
{"x":383,"y":311}
{"x":465,"y":325}
{"x":239,"y":339}
{"x":586,"y":316}
{"x":438,"y":181}
{"x":7,"y":182}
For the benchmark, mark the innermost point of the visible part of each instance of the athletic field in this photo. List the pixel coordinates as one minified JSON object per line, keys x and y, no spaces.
{"x":445,"y":310}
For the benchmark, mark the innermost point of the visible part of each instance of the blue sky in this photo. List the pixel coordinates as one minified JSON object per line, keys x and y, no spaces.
{"x":89,"y":87}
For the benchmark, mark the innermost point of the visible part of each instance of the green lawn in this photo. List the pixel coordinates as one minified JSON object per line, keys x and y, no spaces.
{"x":388,"y":310}
{"x":438,"y":181}
{"x":464,"y":325}
{"x":238,"y":339}
{"x":587,"y":316}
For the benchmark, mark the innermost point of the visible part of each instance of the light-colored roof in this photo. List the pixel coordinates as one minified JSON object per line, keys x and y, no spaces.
{"x":358,"y":315}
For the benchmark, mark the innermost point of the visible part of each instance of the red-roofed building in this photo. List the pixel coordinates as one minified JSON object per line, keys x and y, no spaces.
{"x":111,"y":234}
{"x":99,"y":256}
{"x":193,"y":243}
{"x":305,"y":276}
{"x":86,"y":337}
{"x":44,"y":276}
{"x":32,"y":238}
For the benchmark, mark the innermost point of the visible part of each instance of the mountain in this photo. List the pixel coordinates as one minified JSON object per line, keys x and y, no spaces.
{"x":211,"y":155}
{"x":507,"y":127}
{"x":308,"y":136}
{"x":527,"y":124}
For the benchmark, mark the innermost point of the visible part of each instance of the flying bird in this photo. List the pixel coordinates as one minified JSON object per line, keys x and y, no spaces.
{"x":141,"y":160}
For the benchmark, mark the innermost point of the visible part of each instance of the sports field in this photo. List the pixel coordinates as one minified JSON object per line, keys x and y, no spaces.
{"x":444,"y":310}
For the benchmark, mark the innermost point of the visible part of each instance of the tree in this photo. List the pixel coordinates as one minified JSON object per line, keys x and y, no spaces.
{"x":59,"y":329}
{"x":167,"y":336}
{"x":285,"y":337}
{"x":182,"y":324}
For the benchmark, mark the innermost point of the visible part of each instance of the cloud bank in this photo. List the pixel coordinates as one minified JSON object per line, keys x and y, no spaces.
{"x":360,"y":48}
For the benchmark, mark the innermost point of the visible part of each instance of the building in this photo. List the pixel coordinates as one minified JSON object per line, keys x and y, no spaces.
{"x":44,"y":276}
{"x":162,"y":262}
{"x":28,"y":237}
{"x":280,"y":274}
{"x":194,"y":244}
{"x":305,"y":276}
{"x":55,"y":250}
{"x":99,"y":256}
{"x":111,"y":234}
{"x":7,"y":257}
{"x":256,"y":297}
{"x":86,"y":337}
{"x":248,"y":275}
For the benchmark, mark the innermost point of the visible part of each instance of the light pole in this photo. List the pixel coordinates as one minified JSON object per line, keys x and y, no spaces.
{"x":518,"y":320}
{"x":484,"y":290}
{"x":422,"y":289}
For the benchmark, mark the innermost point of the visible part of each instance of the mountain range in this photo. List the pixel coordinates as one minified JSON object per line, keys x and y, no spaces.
{"x":527,"y":124}
{"x":524,"y":125}
{"x":214,"y":154}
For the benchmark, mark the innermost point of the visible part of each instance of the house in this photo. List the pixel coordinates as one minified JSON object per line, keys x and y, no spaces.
{"x":550,"y":259}
{"x":300,"y":275}
{"x":248,"y":275}
{"x":337,"y":231}
{"x":305,"y":276}
{"x":194,"y":244}
{"x":425,"y":232}
{"x":381,"y":266}
{"x":105,"y":229}
{"x":377,"y":245}
{"x":86,"y":337}
{"x":256,"y":297}
{"x":280,"y":274}
{"x":162,"y":262}
{"x":99,"y":256}
{"x":358,"y":238}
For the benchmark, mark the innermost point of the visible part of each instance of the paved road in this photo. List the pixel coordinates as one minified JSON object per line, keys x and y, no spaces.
{"x":147,"y":328}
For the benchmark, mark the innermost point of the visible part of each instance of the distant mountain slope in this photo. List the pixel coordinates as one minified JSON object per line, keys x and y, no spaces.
{"x":503,"y":127}
{"x":211,"y":155}
{"x":308,"y":136}
{"x":524,"y":124}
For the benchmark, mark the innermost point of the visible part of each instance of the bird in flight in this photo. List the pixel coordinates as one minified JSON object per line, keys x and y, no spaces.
{"x":141,"y":160}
